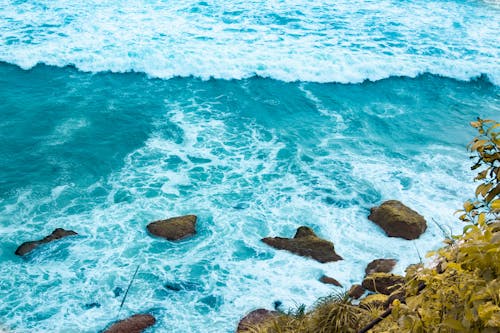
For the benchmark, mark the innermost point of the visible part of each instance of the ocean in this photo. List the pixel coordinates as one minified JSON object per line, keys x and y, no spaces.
{"x":258,"y":117}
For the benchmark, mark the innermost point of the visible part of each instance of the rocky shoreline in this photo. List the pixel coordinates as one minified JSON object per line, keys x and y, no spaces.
{"x":396,"y":219}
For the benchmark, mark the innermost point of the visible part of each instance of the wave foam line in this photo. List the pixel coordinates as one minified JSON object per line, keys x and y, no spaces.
{"x":292,"y":41}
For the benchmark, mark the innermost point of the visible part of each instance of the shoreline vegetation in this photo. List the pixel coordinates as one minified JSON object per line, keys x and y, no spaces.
{"x":459,"y":291}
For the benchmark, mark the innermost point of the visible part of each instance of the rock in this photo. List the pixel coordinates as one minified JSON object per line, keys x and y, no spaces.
{"x":374,"y":300}
{"x":277,"y":305}
{"x":329,"y":280}
{"x":384,"y":283}
{"x":92,"y":305}
{"x":356,"y":291}
{"x":134,"y":324}
{"x":174,"y":228}
{"x":117,"y":291}
{"x":397,"y":220}
{"x":380,"y":266}
{"x":255,"y":318}
{"x":58,"y":233}
{"x":305,"y":243}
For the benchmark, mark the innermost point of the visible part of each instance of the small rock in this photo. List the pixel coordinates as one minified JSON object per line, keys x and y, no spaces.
{"x":398,"y":220}
{"x":117,"y":291}
{"x":356,"y":291}
{"x":305,"y":243}
{"x":384,"y":283}
{"x":380,"y":266}
{"x":329,"y":280}
{"x":174,"y":228}
{"x":255,"y":318}
{"x":92,"y":305}
{"x":58,"y":233}
{"x":134,"y":324}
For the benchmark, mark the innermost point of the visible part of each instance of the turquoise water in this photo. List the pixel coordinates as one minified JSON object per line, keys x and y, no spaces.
{"x":258,"y":117}
{"x":104,"y":154}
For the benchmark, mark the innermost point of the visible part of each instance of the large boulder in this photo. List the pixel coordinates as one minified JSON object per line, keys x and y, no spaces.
{"x":398,"y":220}
{"x":174,"y":228}
{"x":384,"y":283}
{"x":380,"y":266}
{"x":305,"y":243}
{"x":134,"y":324}
{"x":58,"y":233}
{"x":255,"y":318}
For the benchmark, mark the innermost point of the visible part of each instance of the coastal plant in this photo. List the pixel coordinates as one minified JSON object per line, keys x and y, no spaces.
{"x":486,"y":155}
{"x":336,"y":314}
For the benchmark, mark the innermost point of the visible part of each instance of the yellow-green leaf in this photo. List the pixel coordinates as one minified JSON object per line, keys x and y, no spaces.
{"x":453,"y":324}
{"x":468,"y":206}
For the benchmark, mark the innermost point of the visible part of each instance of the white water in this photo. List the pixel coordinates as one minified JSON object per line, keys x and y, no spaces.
{"x":321,"y":41}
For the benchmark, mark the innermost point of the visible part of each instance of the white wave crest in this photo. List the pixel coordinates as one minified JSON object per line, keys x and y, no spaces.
{"x":288,"y":40}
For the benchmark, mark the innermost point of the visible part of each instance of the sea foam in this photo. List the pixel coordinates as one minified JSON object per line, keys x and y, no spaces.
{"x":296,"y":40}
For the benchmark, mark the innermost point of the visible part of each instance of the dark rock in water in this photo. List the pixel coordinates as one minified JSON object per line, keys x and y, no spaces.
{"x":174,"y":228}
{"x":380,"y":266}
{"x":178,"y":286}
{"x":329,"y":280}
{"x":277,"y":305}
{"x":254,"y":318}
{"x":356,"y":291}
{"x":117,"y":291}
{"x":89,"y":306}
{"x":305,"y":243}
{"x":135,"y":324}
{"x":58,"y":233}
{"x":398,"y":220}
{"x":384,"y":283}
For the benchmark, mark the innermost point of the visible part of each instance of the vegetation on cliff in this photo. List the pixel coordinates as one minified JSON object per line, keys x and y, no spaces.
{"x":460,"y":292}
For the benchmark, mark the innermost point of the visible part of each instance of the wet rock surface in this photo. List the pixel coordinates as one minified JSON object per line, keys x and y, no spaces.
{"x":380,"y":266}
{"x":384,"y":283}
{"x":58,"y":233}
{"x":356,"y":291}
{"x":398,"y":220}
{"x":175,"y":228}
{"x":329,"y":280}
{"x":254,"y":318}
{"x":305,"y":243}
{"x":134,"y":324}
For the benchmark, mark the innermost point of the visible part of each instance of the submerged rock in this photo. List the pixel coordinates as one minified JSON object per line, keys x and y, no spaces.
{"x":384,"y":283}
{"x":174,"y":228}
{"x":398,"y":220}
{"x":134,"y":324}
{"x":380,"y":266}
{"x":356,"y":291}
{"x":58,"y":233}
{"x":329,"y":280}
{"x":254,"y":318}
{"x":305,"y":243}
